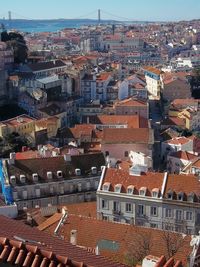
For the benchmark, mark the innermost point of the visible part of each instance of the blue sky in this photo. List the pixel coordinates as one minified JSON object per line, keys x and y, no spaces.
{"x":130,"y":9}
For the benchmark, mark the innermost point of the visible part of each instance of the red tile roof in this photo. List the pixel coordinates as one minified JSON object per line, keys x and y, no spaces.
{"x":152,"y":69}
{"x":132,"y":102}
{"x":178,"y":140}
{"x":183,"y":155}
{"x":126,"y":136}
{"x":132,"y":121}
{"x":25,"y":246}
{"x":177,"y":183}
{"x":149,"y":180}
{"x":92,"y":232}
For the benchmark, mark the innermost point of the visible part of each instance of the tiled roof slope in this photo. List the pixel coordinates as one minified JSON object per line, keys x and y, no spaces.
{"x":91,"y":232}
{"x":24,"y":246}
{"x":42,"y":165}
{"x":186,"y":184}
{"x":46,"y":65}
{"x":132,"y":121}
{"x":126,"y":136}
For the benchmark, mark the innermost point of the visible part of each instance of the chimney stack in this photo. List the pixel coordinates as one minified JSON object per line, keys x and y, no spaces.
{"x":73,"y":237}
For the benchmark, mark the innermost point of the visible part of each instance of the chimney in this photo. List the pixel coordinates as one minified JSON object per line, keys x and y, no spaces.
{"x":88,"y":119}
{"x":73,"y":237}
{"x":12,"y":158}
{"x":29,"y":219}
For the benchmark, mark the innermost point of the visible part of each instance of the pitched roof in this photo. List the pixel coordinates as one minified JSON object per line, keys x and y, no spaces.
{"x":132,"y":121}
{"x":177,"y":183}
{"x":43,"y":165}
{"x":178,"y":140}
{"x":182,"y":183}
{"x":46,"y":65}
{"x":117,"y":176}
{"x":173,"y":121}
{"x":132,"y":102}
{"x":125,"y":239}
{"x":126,"y":136}
{"x":25,"y":246}
{"x":152,"y":69}
{"x":183,"y":155}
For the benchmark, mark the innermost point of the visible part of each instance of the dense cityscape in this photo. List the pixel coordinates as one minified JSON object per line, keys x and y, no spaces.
{"x":100,"y":144}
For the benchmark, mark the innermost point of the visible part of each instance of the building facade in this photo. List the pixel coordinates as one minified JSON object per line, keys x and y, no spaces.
{"x":156,"y":200}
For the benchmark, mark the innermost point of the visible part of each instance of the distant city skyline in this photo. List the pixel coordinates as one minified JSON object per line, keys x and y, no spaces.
{"x":145,"y":10}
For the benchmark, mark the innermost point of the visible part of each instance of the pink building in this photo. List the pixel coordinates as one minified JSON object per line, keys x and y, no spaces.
{"x":132,"y":106}
{"x":117,"y":143}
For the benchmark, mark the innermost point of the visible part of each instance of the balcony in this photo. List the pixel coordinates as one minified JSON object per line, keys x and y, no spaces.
{"x":117,"y":212}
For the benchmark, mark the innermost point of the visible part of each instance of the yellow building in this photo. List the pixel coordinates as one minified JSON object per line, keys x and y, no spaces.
{"x":24,"y":125}
{"x":50,"y":125}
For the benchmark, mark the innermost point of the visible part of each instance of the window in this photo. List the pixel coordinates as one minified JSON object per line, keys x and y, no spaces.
{"x":170,"y":194}
{"x":104,"y":204}
{"x":106,"y":186}
{"x":140,"y":210}
{"x":154,"y":194}
{"x":189,"y":215}
{"x":191,"y":197}
{"x":105,"y":218}
{"x":128,"y":207}
{"x":118,"y":188}
{"x":142,"y":191}
{"x":130,"y":190}
{"x":154,"y":211}
{"x":116,"y":206}
{"x":126,"y":154}
{"x":168,"y":213}
{"x":180,"y":196}
{"x":153,"y":225}
{"x":178,"y":215}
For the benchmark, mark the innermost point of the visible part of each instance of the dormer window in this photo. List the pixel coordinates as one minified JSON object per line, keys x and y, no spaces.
{"x":191,"y":197}
{"x":118,"y":188}
{"x":130,"y":189}
{"x":106,"y":186}
{"x":155,"y":192}
{"x":170,"y":194}
{"x":142,"y":191}
{"x":180,"y":196}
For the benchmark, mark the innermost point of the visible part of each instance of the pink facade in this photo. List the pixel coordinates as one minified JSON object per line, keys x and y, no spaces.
{"x":141,"y":110}
{"x":120,"y":151}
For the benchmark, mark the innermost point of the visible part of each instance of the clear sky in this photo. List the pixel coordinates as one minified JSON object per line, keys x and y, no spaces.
{"x":130,"y":9}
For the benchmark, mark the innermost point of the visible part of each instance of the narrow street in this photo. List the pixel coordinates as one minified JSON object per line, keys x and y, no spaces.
{"x":155,"y":115}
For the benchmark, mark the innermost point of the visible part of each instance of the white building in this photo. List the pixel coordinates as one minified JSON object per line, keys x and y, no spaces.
{"x":153,"y":81}
{"x":156,"y":200}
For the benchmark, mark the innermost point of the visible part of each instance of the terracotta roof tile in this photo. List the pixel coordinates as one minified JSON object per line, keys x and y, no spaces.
{"x":26,"y":246}
{"x":126,"y":135}
{"x":91,"y":232}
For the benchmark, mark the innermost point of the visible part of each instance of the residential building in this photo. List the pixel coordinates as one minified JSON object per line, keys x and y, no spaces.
{"x":132,"y":106}
{"x":177,"y":161}
{"x":45,"y":69}
{"x":156,"y":200}
{"x":118,"y":143}
{"x":56,"y":180}
{"x":153,"y":81}
{"x":94,"y":86}
{"x":175,"y":87}
{"x":181,"y":143}
{"x":24,"y":125}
